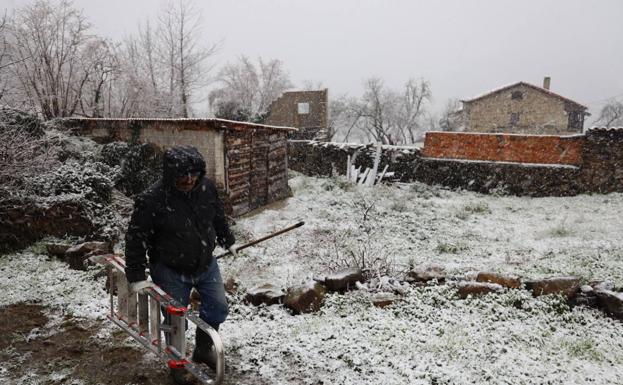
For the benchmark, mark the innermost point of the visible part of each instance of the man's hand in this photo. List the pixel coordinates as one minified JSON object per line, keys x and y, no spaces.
{"x":233,"y":251}
{"x":227,"y":241}
{"x":140,"y":286}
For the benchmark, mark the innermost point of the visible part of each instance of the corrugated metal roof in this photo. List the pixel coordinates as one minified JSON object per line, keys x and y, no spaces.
{"x":541,"y":89}
{"x":189,"y":120}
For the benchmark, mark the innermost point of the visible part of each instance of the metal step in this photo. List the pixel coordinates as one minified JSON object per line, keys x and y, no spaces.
{"x":140,"y":316}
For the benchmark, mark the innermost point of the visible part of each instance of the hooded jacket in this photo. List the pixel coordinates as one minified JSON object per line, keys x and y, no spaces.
{"x":176,"y":228}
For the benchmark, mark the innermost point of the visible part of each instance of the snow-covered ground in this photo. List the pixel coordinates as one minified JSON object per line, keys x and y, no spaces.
{"x":419,"y":225}
{"x":429,"y":336}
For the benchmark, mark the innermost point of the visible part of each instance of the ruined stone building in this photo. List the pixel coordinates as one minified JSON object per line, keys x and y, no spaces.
{"x":248,"y":162}
{"x":524,"y":108}
{"x":306,"y":110}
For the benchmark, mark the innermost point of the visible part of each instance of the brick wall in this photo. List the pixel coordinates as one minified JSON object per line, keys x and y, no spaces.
{"x":312,"y":125}
{"x":505,"y":147}
{"x":248,"y":162}
{"x":537,"y":112}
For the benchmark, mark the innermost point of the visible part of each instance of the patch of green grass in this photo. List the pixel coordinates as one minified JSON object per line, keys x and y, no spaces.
{"x":583,"y":348}
{"x":472,"y":208}
{"x":560,"y":230}
{"x":477,"y":208}
{"x":398,"y":205}
{"x":450,"y":248}
{"x":38,"y":248}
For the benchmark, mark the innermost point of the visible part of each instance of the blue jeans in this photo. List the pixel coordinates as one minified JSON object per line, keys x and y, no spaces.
{"x":209,"y":284}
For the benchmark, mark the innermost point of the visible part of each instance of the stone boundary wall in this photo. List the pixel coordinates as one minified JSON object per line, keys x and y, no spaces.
{"x":542,"y":149}
{"x":602,"y":160}
{"x":248,"y":162}
{"x":594,"y":163}
{"x":327,"y":159}
{"x":500,"y":177}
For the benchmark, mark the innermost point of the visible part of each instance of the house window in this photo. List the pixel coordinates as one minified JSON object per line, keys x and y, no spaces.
{"x":517,"y":95}
{"x":303,"y":108}
{"x":576,"y":120}
{"x":514,"y":118}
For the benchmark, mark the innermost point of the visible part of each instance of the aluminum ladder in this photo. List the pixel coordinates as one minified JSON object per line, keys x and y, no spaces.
{"x":139,"y":315}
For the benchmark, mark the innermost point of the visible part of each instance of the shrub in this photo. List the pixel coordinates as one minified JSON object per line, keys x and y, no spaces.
{"x":140,"y":165}
{"x":93,"y":180}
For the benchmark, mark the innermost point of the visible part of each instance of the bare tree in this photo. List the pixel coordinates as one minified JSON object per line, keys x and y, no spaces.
{"x":47,"y":44}
{"x":384,"y":115}
{"x":411,"y":109}
{"x":100,"y":61}
{"x":163,"y":67}
{"x":4,"y":58}
{"x":183,"y":54}
{"x":246,"y":90}
{"x":345,"y":113}
{"x":451,"y":116}
{"x":141,"y":87}
{"x":611,"y":114}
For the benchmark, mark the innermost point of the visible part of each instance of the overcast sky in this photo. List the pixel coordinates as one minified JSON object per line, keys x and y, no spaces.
{"x":462,"y":47}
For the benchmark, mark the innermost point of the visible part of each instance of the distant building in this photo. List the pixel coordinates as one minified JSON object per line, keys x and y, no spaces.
{"x":524,"y":108}
{"x":306,"y":110}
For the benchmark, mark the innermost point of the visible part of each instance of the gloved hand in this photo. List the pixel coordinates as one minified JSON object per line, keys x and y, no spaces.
{"x":140,"y":286}
{"x":227,"y":241}
{"x":233,"y":251}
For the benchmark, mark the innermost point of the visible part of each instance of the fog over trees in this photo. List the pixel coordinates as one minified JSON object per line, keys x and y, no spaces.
{"x":611,"y":114}
{"x":245,"y":90}
{"x":52,"y":63}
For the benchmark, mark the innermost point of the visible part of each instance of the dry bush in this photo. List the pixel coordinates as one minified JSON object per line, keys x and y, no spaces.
{"x":24,"y":154}
{"x":360,"y":247}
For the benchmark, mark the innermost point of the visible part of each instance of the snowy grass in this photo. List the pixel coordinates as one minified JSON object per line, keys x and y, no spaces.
{"x":424,"y":225}
{"x":429,"y":336}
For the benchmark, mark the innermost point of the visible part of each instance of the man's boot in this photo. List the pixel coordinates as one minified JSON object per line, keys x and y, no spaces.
{"x":204,"y":349}
{"x":182,"y":377}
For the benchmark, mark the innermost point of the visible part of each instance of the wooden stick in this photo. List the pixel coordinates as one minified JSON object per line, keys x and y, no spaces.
{"x":255,"y":242}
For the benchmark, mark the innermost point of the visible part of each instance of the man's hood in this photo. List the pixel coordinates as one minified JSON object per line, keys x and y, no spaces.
{"x":180,"y":161}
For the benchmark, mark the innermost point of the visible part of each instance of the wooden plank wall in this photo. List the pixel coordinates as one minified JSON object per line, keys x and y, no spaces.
{"x":257,"y":168}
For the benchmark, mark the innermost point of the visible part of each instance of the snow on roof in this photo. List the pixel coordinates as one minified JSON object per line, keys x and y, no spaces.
{"x":342,"y":145}
{"x":506,"y":87}
{"x":189,"y":120}
{"x":505,"y":134}
{"x":605,"y":128}
{"x":519,"y":164}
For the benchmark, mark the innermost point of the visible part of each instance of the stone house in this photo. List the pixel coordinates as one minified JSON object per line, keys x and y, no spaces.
{"x":524,"y":108}
{"x":306,"y":110}
{"x":248,"y":162}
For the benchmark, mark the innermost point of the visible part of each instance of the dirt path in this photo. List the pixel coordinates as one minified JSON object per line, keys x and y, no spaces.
{"x":30,"y":355}
{"x":72,"y":353}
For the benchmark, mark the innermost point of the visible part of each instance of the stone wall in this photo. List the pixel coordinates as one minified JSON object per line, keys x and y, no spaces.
{"x":328,"y":159}
{"x":248,"y":162}
{"x":537,"y":112}
{"x":567,"y":166}
{"x":312,"y":123}
{"x":503,"y":177}
{"x":602,"y":160}
{"x":547,"y":149}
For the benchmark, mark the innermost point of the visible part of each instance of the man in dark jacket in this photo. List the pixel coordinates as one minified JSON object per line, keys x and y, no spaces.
{"x":176,"y":223}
